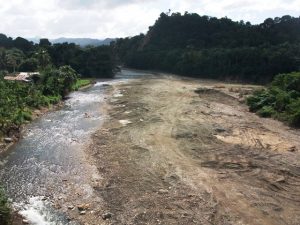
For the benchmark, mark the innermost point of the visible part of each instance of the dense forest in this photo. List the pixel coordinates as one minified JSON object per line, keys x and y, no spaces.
{"x":208,"y":47}
{"x":21,"y":55}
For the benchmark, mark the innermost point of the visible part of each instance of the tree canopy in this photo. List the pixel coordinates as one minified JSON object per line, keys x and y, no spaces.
{"x":22,"y":55}
{"x":204,"y":46}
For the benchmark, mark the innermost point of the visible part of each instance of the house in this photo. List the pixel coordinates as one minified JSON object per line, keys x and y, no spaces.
{"x":22,"y":76}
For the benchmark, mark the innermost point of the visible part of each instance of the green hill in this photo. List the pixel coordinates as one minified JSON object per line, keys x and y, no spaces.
{"x":209,"y":47}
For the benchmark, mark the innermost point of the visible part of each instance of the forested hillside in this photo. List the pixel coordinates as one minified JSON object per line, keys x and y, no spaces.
{"x":21,"y":55}
{"x":209,"y":47}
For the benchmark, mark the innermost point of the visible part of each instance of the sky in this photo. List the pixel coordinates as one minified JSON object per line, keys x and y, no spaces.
{"x":122,"y":18}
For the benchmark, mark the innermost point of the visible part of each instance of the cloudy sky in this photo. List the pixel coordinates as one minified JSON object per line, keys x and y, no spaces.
{"x":120,"y":18}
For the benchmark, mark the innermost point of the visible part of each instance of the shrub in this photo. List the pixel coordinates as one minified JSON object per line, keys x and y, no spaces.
{"x":266,"y":111}
{"x":281,"y":100}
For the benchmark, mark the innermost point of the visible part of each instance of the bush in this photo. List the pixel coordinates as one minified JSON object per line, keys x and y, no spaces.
{"x":260,"y":99}
{"x":54,"y":99}
{"x":281,"y":100}
{"x":266,"y":111}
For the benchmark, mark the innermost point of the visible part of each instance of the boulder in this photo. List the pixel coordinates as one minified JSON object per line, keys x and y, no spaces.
{"x":83,"y":207}
{"x":106,"y":216}
{"x":82,"y":212}
{"x":163,"y":191}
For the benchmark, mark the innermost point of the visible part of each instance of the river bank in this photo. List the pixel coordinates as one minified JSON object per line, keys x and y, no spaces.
{"x":7,"y":142}
{"x":184,"y":151}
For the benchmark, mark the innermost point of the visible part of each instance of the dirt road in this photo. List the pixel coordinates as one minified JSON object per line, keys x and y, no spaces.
{"x":170,"y":155}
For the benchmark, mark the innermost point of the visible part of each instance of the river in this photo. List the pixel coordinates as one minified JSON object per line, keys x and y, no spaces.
{"x":48,"y":168}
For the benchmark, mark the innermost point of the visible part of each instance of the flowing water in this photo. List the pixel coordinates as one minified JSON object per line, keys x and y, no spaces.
{"x":49,"y":164}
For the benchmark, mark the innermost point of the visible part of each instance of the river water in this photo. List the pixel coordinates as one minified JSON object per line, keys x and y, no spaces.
{"x":49,"y":164}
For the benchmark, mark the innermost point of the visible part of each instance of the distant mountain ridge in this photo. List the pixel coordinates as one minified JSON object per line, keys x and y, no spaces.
{"x":78,"y":41}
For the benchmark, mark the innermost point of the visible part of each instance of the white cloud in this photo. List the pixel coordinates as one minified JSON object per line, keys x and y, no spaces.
{"x":117,"y":18}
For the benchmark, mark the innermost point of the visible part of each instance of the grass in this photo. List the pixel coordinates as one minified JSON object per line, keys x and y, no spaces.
{"x":81,"y":83}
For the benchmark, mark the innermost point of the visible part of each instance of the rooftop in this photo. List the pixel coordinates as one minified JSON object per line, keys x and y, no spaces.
{"x":21,"y":76}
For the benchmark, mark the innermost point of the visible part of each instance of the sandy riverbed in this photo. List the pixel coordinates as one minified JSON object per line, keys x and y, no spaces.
{"x":169,"y":155}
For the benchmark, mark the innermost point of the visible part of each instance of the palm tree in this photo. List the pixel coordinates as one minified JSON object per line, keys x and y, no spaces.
{"x":43,"y":57}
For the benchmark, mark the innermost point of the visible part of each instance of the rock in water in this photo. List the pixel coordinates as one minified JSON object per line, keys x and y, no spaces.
{"x":8,"y":140}
{"x":25,"y":221}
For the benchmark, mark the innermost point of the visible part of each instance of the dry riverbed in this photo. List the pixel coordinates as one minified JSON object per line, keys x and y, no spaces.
{"x":169,"y":154}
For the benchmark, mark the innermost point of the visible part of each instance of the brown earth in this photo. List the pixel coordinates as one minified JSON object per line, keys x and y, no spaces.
{"x":170,"y":155}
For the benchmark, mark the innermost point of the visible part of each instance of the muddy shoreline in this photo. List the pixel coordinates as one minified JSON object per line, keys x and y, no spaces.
{"x":169,"y":155}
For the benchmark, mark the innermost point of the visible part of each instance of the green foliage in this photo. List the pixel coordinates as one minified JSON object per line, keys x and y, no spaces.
{"x":294,"y":113}
{"x":43,"y":58}
{"x":15,"y":103}
{"x":207,"y":47}
{"x":4,"y":208}
{"x":29,"y":65}
{"x":44,"y":43}
{"x":18,"y":99}
{"x":22,"y":55}
{"x":281,"y":100}
{"x":81,"y":83}
{"x":58,"y":65}
{"x":89,"y":61}
{"x":58,"y":81}
{"x":13,"y":59}
{"x":266,"y":111}
{"x":67,"y":78}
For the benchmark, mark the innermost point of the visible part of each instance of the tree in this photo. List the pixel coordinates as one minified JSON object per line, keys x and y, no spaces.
{"x":14,"y":58}
{"x":43,"y":58}
{"x":67,"y":78}
{"x":23,"y":44}
{"x":2,"y":59}
{"x":29,"y":65}
{"x":44,"y":43}
{"x":215,"y":48}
